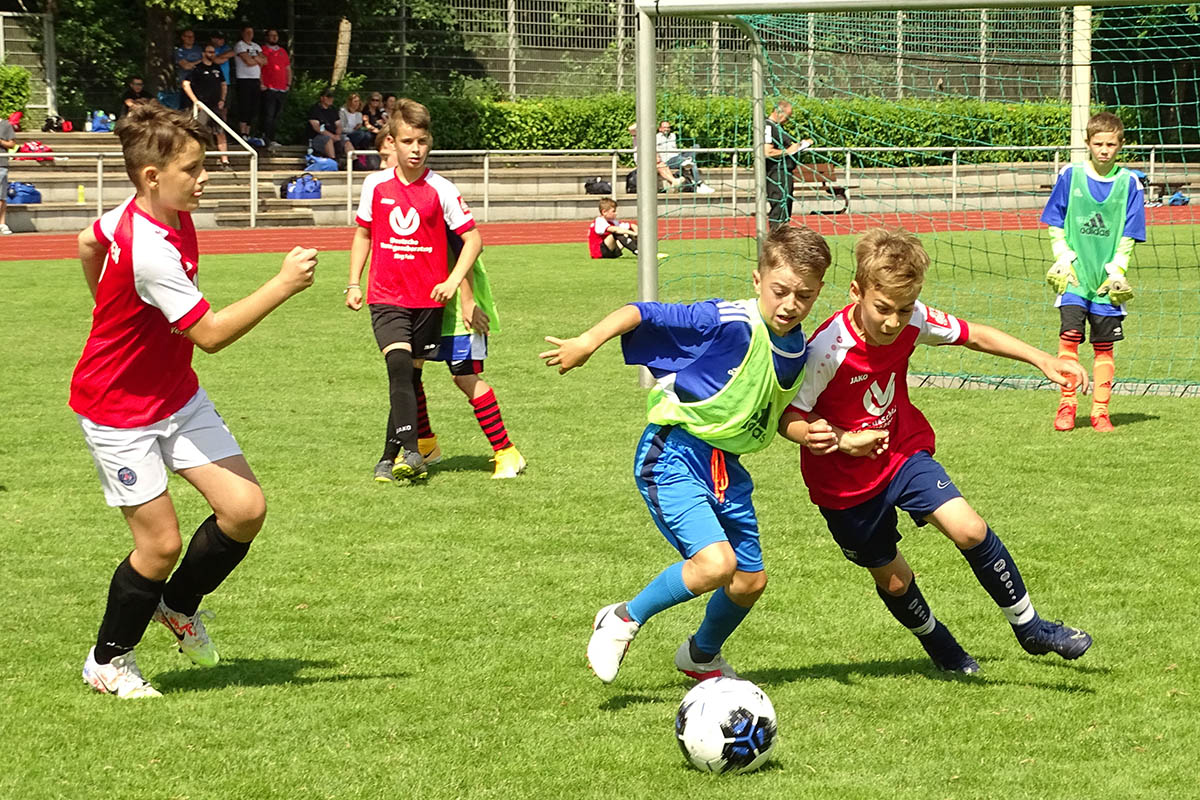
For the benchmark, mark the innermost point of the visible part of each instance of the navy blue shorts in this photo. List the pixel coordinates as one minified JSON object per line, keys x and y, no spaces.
{"x":674,"y":473}
{"x":867,"y":532}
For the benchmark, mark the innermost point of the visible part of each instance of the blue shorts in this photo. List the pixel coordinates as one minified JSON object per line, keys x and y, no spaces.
{"x":867,"y":532}
{"x":674,"y":473}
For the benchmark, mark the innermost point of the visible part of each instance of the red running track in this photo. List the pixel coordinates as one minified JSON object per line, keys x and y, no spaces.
{"x":38,"y":246}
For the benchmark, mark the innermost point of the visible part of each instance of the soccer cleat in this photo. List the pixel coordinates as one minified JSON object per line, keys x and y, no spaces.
{"x":1064,"y":420}
{"x":962,"y":664}
{"x":509,"y":463}
{"x":5,"y":230}
{"x":1101,"y":422}
{"x":661,"y":256}
{"x":120,"y":676}
{"x":610,"y":640}
{"x":1055,"y":637}
{"x":383,"y":472}
{"x":718,"y":667}
{"x":190,"y":633}
{"x":410,"y":465}
{"x":429,"y":450}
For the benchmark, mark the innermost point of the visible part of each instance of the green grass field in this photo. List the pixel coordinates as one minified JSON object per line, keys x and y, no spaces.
{"x":428,"y":642}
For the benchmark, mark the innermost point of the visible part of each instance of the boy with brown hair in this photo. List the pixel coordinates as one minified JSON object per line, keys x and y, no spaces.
{"x":607,"y":236}
{"x":725,"y":371}
{"x":870,"y":451}
{"x":404,"y":214}
{"x":141,"y":407}
{"x":1095,"y":213}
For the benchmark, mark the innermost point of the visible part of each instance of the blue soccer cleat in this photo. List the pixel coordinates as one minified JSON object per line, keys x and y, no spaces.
{"x":1056,"y":637}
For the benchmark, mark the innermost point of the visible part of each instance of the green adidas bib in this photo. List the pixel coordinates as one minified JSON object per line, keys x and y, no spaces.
{"x":743,"y":416}
{"x":1094,"y":229}
{"x":452,"y":324}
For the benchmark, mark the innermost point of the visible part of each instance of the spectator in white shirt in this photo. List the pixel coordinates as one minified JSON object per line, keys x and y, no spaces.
{"x":668,"y":152}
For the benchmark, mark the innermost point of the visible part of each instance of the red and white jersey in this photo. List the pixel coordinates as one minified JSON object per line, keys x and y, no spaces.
{"x":408,"y":223}
{"x":854,"y":385}
{"x":136,"y":367}
{"x":596,"y":233}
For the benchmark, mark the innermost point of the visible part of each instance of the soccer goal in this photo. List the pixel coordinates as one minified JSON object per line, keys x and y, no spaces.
{"x":949,"y":122}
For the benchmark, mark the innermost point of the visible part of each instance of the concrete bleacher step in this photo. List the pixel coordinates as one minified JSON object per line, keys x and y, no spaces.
{"x":286,"y":218}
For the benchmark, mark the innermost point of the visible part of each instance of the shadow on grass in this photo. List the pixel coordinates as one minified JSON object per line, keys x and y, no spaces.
{"x":623,"y":701}
{"x":1132,"y":417}
{"x":462,"y":464}
{"x":850,"y":673}
{"x":258,"y":672}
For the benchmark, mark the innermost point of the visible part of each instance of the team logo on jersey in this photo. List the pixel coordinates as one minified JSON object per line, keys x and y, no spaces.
{"x":463,"y":205}
{"x":877,"y":398}
{"x":937,"y":317}
{"x":1094,"y":227}
{"x":127,"y":476}
{"x":114,"y":252}
{"x":404,"y":223}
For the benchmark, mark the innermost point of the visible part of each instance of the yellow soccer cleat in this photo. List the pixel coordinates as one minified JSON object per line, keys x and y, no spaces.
{"x":509,"y":463}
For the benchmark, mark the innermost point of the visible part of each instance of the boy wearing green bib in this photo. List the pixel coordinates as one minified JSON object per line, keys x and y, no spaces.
{"x":725,"y":371}
{"x":1095,"y":214}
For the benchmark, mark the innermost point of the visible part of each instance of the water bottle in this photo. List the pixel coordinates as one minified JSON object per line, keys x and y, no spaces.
{"x":87,"y":125}
{"x":79,"y":197}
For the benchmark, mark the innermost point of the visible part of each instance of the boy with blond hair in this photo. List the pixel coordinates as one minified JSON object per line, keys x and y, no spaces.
{"x":1095,"y":213}
{"x":725,"y":371}
{"x":141,"y":408}
{"x":870,"y":451}
{"x":404,"y":214}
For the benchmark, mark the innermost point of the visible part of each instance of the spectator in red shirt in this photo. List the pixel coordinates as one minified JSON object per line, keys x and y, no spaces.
{"x":276,"y":82}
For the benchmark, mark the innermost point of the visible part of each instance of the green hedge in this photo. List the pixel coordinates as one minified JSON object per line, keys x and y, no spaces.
{"x":14,"y":89}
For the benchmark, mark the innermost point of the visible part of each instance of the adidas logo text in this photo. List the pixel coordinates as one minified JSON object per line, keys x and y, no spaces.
{"x":1094,"y":227}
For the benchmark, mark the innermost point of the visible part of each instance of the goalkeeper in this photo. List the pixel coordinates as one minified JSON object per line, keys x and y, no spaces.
{"x":1096,"y":212}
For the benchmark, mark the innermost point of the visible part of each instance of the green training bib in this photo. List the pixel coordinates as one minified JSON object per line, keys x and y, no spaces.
{"x":1093,"y":230}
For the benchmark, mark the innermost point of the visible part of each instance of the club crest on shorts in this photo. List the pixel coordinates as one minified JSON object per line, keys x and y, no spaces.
{"x":127,"y":476}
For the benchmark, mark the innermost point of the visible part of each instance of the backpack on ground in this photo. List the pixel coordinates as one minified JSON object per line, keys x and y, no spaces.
{"x":33,"y":147}
{"x":631,"y":182}
{"x":597,"y":186}
{"x":23,"y":193}
{"x":319,"y":163}
{"x":301,"y":187}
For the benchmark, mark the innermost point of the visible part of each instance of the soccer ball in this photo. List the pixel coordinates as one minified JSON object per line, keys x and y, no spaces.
{"x":726,"y":725}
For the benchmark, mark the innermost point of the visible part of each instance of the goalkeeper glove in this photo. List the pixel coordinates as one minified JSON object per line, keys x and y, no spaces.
{"x":1115,"y":285}
{"x":1062,"y":273}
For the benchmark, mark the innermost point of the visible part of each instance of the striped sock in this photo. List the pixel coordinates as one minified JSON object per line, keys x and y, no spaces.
{"x":424,"y":429}
{"x":1068,"y":350}
{"x":1103,"y":369}
{"x":487,"y":412}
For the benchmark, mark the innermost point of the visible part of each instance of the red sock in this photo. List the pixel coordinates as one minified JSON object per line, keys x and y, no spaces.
{"x":424,"y":430}
{"x":1103,"y":370}
{"x":1068,"y":350}
{"x":487,"y":411}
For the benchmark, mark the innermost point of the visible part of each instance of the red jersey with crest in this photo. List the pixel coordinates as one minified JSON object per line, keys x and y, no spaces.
{"x":854,"y":385}
{"x":136,"y":368}
{"x":408,"y":223}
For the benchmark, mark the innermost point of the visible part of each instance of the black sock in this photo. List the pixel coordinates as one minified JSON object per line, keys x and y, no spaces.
{"x":628,"y":242}
{"x":210,"y":557}
{"x":132,"y":598}
{"x":911,"y":611}
{"x":403,"y":419}
{"x":994,"y":569}
{"x":698,"y":655}
{"x":391,"y":445}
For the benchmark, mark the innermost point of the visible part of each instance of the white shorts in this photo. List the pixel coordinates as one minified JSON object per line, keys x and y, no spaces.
{"x":133,"y":462}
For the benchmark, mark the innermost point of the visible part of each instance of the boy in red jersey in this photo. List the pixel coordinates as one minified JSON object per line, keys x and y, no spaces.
{"x":870,"y":451}
{"x":141,"y":408}
{"x":403,"y":216}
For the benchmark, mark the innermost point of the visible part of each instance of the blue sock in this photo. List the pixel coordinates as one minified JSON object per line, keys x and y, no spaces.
{"x":996,"y":572}
{"x":666,"y":590}
{"x":911,"y":611}
{"x":721,"y":617}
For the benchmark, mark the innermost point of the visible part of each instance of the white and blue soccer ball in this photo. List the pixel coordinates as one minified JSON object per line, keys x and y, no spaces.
{"x":726,"y":725}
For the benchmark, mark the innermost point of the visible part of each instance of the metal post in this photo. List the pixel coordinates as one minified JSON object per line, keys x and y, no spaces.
{"x":50,"y":64}
{"x":100,"y":185}
{"x":954,"y":178}
{"x":647,"y":172}
{"x":613,"y":194}
{"x":1064,"y":38}
{"x":899,"y":55}
{"x":812,"y":46}
{"x":253,"y":188}
{"x":847,"y":169}
{"x":758,"y":112}
{"x":487,"y":182}
{"x":1150,"y":170}
{"x":734,"y":179}
{"x":1081,"y":80}
{"x":983,"y":44}
{"x":620,"y":39}
{"x":512,"y":49}
{"x":715,"y":69}
{"x":350,"y":187}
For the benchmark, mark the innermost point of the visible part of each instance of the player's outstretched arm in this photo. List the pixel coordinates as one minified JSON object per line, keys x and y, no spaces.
{"x":987,"y":339}
{"x":91,"y":256}
{"x":216,"y":331}
{"x":821,"y":438}
{"x":472,"y":247}
{"x":571,"y":353}
{"x":360,"y":249}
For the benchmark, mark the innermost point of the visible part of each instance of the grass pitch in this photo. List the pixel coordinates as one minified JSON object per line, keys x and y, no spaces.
{"x":428,"y":641}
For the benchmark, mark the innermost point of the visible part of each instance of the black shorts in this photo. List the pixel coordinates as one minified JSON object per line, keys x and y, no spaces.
{"x":419,"y":327}
{"x":1103,"y":328}
{"x":471,"y":366}
{"x":606,"y":253}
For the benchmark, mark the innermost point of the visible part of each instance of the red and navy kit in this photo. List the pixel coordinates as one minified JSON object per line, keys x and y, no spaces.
{"x":408,"y":223}
{"x":136,"y":367}
{"x":854,"y":385}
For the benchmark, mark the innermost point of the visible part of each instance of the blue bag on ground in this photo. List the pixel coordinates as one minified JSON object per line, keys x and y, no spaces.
{"x":1179,"y":199}
{"x":302,"y":187}
{"x":320,"y":163}
{"x":101,"y":122}
{"x":25,"y":193}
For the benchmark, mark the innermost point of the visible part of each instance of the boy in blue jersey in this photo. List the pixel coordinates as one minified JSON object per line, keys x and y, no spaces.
{"x":725,"y":372}
{"x":1095,"y":214}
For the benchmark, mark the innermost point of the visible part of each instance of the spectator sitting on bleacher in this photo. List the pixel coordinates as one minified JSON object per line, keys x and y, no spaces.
{"x":8,"y":140}
{"x":324,"y":130}
{"x":685,"y":163}
{"x":351,"y":117}
{"x":664,"y":171}
{"x":134,"y":95}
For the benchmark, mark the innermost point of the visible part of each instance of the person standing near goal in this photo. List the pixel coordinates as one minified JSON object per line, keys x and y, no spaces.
{"x":141,"y":407}
{"x":1096,"y":211}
